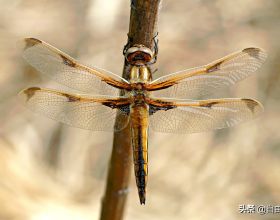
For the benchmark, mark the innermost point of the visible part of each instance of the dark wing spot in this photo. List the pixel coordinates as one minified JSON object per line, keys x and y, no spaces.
{"x":30,"y":92}
{"x":67,"y":61}
{"x":30,"y":42}
{"x":253,"y":52}
{"x":110,"y":104}
{"x":115,"y":104}
{"x":124,"y":109}
{"x":154,"y":108}
{"x":214,"y":67}
{"x":251,"y":104}
{"x":72,"y":98}
{"x":209,"y":104}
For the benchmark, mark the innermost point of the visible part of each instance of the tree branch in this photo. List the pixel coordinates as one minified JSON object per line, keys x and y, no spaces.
{"x":142,"y":29}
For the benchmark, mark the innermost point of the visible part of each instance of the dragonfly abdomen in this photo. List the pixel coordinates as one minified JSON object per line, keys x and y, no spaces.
{"x":141,"y":172}
{"x":139,"y":114}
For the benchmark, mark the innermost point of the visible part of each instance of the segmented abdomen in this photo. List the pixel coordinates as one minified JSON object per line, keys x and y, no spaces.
{"x":139,"y":115}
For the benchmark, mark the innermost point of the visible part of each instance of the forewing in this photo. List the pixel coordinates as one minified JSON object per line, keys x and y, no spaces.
{"x":204,"y":115}
{"x":207,"y":79}
{"x":91,"y":113}
{"x":67,"y":71}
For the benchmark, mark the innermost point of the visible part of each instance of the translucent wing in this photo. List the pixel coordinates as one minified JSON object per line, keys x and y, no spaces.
{"x":67,"y":71}
{"x":205,"y":80}
{"x":91,"y":113}
{"x":204,"y":115}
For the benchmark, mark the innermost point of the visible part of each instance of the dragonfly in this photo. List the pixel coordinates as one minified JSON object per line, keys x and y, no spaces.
{"x":166,"y":104}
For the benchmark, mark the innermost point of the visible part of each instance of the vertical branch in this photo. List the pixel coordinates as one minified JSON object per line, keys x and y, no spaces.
{"x":142,"y":29}
{"x":143,"y":22}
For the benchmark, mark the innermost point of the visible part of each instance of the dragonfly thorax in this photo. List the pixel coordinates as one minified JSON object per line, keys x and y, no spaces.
{"x":139,"y":74}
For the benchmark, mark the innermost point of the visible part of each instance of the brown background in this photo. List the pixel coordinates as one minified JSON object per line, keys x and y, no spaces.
{"x":51,"y":171}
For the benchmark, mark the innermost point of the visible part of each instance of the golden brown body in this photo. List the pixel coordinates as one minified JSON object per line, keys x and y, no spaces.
{"x":139,"y":114}
{"x":139,"y":123}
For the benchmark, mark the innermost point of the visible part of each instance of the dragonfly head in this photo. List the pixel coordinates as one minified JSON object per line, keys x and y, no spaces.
{"x":138,"y":54}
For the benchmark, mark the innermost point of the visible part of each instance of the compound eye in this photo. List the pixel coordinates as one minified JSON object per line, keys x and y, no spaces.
{"x":138,"y":56}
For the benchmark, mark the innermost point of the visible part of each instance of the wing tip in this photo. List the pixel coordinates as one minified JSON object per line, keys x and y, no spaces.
{"x":254,"y":106}
{"x":26,"y":43}
{"x":28,"y":93}
{"x":256,"y":52}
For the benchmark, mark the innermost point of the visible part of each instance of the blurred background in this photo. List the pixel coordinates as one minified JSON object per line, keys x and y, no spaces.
{"x":51,"y":171}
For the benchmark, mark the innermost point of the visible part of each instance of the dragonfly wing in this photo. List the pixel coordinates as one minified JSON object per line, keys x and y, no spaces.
{"x":92,"y":113}
{"x":205,"y":80}
{"x":67,"y":71}
{"x":204,"y":115}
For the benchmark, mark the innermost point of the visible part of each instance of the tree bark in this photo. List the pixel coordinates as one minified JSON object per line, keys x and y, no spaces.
{"x":142,"y":30}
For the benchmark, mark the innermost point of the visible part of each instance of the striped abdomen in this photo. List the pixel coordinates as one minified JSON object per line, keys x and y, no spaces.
{"x":139,"y":115}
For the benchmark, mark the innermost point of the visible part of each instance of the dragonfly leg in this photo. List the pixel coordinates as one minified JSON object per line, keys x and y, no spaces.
{"x":155,"y":41}
{"x":127,"y":45}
